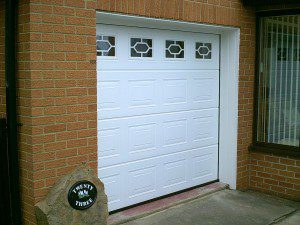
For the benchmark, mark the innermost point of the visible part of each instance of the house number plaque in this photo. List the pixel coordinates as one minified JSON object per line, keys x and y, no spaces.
{"x":82,"y":195}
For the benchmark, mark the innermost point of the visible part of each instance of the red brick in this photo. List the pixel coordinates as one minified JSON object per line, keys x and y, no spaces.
{"x":55,"y":128}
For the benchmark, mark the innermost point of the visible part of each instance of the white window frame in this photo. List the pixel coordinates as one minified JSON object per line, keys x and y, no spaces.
{"x":229,"y":68}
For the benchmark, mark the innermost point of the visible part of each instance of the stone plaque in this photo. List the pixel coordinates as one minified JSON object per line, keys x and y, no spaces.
{"x":60,"y":208}
{"x":82,"y":195}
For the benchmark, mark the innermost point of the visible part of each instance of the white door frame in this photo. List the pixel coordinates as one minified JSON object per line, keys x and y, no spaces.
{"x":229,"y":68}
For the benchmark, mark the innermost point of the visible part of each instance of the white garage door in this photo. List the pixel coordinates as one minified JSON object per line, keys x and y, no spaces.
{"x":158,"y":107}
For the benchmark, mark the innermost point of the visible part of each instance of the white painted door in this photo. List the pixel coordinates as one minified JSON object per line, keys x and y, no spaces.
{"x":158,"y":107}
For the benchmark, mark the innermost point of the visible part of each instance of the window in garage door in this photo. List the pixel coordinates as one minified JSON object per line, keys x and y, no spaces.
{"x":158,"y":111}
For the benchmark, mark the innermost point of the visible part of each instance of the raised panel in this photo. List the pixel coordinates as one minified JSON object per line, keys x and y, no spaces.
{"x":141,"y":93}
{"x":109,"y":146}
{"x":142,"y":138}
{"x":175,"y":91}
{"x":174,"y":172}
{"x":175,"y":132}
{"x":201,"y":166}
{"x":112,"y":184}
{"x":109,"y":95}
{"x":204,"y":89}
{"x":155,"y":176}
{"x":158,"y":92}
{"x":142,"y":181}
{"x":147,"y":136}
{"x":202,"y":128}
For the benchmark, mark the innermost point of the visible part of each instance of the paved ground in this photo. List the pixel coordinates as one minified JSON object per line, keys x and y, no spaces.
{"x":292,"y":219}
{"x":228,"y":207}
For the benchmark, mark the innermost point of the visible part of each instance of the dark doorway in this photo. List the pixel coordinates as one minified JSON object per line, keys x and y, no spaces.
{"x":5,"y":202}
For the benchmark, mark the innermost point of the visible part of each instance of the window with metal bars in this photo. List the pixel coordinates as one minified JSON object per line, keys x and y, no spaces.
{"x":278,"y":95}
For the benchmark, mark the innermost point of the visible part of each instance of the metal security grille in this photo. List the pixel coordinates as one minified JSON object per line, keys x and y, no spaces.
{"x":278,"y":117}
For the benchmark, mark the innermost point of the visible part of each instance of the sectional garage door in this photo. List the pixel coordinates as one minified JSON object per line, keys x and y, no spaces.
{"x":158,"y":107}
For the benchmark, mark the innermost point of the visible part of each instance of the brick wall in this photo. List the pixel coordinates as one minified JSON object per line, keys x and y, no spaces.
{"x":57,"y":93}
{"x":24,"y":113}
{"x":275,"y":175}
{"x":2,"y":63}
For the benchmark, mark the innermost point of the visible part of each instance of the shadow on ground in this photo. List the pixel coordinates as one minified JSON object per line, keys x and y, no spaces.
{"x":228,"y":207}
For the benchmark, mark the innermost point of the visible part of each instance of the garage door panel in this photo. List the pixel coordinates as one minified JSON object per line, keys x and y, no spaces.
{"x":154,"y":135}
{"x":142,"y":93}
{"x":112,"y":180}
{"x":204,"y":89}
{"x":175,"y":172}
{"x":202,"y":166}
{"x":138,"y":93}
{"x":175,"y":91}
{"x":110,"y":93}
{"x":204,"y":127}
{"x":123,"y":60}
{"x":142,"y":181}
{"x":158,"y":111}
{"x":196,"y":166}
{"x":109,"y":147}
{"x":174,"y":131}
{"x":157,"y":176}
{"x":142,"y":137}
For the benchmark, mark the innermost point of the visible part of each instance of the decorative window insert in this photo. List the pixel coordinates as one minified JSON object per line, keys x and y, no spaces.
{"x":105,"y":45}
{"x":203,"y":50}
{"x":140,"y":47}
{"x":278,"y":83}
{"x":174,"y":49}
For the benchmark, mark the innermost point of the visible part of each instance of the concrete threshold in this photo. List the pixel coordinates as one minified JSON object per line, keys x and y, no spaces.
{"x":155,"y":206}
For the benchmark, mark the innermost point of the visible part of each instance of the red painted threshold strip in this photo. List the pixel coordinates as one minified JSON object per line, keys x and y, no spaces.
{"x":163,"y":203}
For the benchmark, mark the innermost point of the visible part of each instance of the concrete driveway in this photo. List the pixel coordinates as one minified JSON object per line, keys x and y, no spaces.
{"x":228,"y":207}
